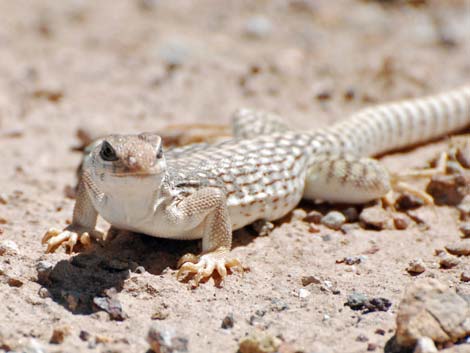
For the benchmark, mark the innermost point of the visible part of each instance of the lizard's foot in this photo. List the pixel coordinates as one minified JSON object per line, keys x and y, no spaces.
{"x":69,"y":237}
{"x":203,"y":266}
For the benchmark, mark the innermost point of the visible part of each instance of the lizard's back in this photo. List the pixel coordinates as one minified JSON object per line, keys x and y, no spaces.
{"x":262,"y":177}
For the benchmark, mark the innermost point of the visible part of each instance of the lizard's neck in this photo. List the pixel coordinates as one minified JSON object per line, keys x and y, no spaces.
{"x":126,"y":202}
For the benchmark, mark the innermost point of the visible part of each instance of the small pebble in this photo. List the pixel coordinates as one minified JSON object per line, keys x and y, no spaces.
{"x":408,"y":202}
{"x":259,"y":342}
{"x":416,"y":266}
{"x":44,"y":269}
{"x":374,"y":217}
{"x":377,"y":304}
{"x":465,"y":276}
{"x":352,"y":260}
{"x":306,"y":280}
{"x":362,"y":338}
{"x":465,"y":229}
{"x":351,"y":214}
{"x":447,"y":262}
{"x":400,"y":222}
{"x":447,"y":189}
{"x":8,"y":247}
{"x":304,"y":293}
{"x":313,"y":217}
{"x":111,"y":304}
{"x":59,"y":334}
{"x":227,"y":322}
{"x":461,"y":248}
{"x":258,"y":27}
{"x":166,"y":340}
{"x":3,"y":199}
{"x":312,"y":228}
{"x":425,"y":345}
{"x":299,"y":213}
{"x":333,"y":220}
{"x":356,"y":300}
{"x":263,"y":228}
{"x":14,"y":282}
{"x":84,"y":335}
{"x":43,"y":292}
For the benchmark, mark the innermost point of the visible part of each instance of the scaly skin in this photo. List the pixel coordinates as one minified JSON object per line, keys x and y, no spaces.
{"x":204,"y":191}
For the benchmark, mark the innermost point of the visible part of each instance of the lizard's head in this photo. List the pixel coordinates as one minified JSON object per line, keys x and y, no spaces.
{"x":116,"y":158}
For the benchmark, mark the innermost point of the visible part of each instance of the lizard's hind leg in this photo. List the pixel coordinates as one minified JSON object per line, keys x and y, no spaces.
{"x":346,"y":179}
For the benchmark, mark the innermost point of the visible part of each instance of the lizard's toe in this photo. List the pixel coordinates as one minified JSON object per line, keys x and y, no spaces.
{"x":55,"y":238}
{"x":68,"y":237}
{"x":206,"y":266}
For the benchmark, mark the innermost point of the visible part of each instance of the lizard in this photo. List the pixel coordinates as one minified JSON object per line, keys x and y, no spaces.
{"x":207,"y":190}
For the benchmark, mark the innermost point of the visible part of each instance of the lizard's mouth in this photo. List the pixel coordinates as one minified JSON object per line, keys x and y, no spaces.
{"x":133,"y":174}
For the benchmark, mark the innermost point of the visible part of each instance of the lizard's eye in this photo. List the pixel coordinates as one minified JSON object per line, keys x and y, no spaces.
{"x":107,"y":152}
{"x":160,"y":153}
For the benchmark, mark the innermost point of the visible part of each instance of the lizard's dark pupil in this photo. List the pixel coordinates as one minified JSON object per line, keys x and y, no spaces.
{"x":107,"y":152}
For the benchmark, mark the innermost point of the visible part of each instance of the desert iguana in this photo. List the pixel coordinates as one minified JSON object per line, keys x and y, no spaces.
{"x":205,"y":191}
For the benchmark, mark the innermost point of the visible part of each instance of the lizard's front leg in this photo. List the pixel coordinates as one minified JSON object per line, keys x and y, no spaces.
{"x":83,"y":223}
{"x":206,"y":208}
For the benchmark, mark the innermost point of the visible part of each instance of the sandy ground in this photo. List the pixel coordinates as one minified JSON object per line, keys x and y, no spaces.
{"x":131,"y":66}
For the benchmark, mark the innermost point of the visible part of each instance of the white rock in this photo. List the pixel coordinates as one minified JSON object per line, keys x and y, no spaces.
{"x":425,"y":345}
{"x":8,"y":247}
{"x":304,"y":293}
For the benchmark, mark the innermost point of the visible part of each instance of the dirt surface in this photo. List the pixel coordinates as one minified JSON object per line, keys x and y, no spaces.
{"x":132,"y":66}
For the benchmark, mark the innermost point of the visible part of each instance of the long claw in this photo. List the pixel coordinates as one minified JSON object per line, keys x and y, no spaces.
{"x":68,"y":237}
{"x":56,"y":240}
{"x":52,"y":232}
{"x":222,"y":271}
{"x":206,"y":265}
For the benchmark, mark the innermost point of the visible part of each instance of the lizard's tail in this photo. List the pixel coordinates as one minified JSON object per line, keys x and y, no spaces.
{"x":375,"y":130}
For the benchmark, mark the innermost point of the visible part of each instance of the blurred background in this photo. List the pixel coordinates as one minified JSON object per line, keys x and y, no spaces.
{"x":136,"y":65}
